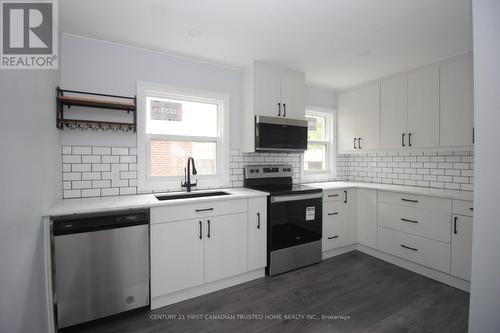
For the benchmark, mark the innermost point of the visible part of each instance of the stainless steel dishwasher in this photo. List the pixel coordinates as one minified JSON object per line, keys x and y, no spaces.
{"x":100,"y":265}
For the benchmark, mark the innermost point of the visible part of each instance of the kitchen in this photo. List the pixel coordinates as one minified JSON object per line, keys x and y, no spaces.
{"x":174,"y":174}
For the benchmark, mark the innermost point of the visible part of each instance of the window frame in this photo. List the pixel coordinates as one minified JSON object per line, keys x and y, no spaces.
{"x":330,"y":144}
{"x":147,"y":183}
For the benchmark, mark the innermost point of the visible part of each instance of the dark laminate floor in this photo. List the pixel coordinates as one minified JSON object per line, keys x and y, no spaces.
{"x":378,"y":297}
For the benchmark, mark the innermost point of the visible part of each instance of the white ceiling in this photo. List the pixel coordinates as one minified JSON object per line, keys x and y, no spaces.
{"x":337,"y":43}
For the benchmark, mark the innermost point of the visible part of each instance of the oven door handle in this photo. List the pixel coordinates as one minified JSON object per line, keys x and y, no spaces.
{"x":295,"y":197}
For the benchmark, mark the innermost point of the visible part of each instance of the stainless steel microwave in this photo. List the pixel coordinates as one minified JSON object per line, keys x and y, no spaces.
{"x":280,"y":134}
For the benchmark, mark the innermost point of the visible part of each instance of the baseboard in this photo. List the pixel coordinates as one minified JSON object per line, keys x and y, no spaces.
{"x":337,"y":251}
{"x":163,"y":300}
{"x":419,"y":269}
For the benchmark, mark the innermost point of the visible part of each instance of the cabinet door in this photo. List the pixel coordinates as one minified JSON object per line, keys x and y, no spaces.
{"x":461,"y":246}
{"x":393,"y":112}
{"x":225,"y":246}
{"x":293,"y":94}
{"x":456,"y":100}
{"x":423,"y":108}
{"x":349,"y":218}
{"x":332,"y":225}
{"x":267,"y":90}
{"x":348,"y":122}
{"x":257,"y":233}
{"x":369,"y":117}
{"x":177,"y":260}
{"x":367,"y":217}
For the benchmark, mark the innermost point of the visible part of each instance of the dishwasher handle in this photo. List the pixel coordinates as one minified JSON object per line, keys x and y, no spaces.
{"x":68,"y":225}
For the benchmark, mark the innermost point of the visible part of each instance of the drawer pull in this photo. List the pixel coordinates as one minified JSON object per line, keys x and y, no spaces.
{"x":333,"y":237}
{"x":335,"y":213}
{"x":406,"y":220}
{"x":332,"y":195}
{"x":471,"y":209}
{"x":204,"y":210}
{"x":409,"y":200}
{"x":409,"y":248}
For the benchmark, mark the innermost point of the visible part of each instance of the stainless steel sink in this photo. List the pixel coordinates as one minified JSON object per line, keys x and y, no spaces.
{"x":190,"y":195}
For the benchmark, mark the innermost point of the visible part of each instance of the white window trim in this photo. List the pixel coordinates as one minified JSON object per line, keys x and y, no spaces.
{"x":331,"y":161}
{"x":221,"y":179}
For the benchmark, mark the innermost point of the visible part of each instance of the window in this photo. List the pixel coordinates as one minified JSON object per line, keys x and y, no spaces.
{"x":174,"y":124}
{"x":319,"y":157}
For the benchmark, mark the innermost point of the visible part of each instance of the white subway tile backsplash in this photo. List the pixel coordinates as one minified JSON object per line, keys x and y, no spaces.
{"x":113,"y":170}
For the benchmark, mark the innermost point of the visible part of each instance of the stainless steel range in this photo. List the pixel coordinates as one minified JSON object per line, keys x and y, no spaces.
{"x":294,"y":217}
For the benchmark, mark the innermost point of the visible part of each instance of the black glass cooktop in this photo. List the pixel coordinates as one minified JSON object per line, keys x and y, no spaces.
{"x":284,"y":189}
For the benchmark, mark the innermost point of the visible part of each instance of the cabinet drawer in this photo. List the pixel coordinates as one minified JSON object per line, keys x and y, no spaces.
{"x":462,"y":207}
{"x":420,"y":222}
{"x":332,"y":225}
{"x":423,"y":251}
{"x":197,"y":210}
{"x":333,"y":195}
{"x":417,"y":201}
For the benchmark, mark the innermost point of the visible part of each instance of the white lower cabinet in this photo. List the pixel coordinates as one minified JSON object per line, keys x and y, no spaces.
{"x":349,"y":224}
{"x":177,"y":256}
{"x":189,"y":255}
{"x":367,"y":217}
{"x":339,"y":219}
{"x":332,"y":225}
{"x":461,"y":246}
{"x":424,"y":251}
{"x":225,"y":246}
{"x":257,"y":233}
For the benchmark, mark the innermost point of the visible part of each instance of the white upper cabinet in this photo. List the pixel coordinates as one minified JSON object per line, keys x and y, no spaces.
{"x":359,"y":119}
{"x":270,"y":91}
{"x":267,"y":90}
{"x":293,"y":94}
{"x":429,"y":107}
{"x":277,"y":92}
{"x":393,"y":112}
{"x":423,"y":108}
{"x":456,"y":102}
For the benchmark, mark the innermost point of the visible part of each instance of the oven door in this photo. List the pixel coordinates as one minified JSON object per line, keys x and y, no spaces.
{"x":280,"y":134}
{"x":294,"y":220}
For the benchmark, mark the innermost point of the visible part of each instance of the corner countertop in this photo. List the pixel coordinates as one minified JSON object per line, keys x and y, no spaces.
{"x":433,"y":192}
{"x":104,"y":204}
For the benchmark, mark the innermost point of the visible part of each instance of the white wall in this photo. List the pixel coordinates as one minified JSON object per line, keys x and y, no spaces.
{"x":93,"y":65}
{"x":485,"y":284}
{"x":321,"y":97}
{"x":30,"y":181}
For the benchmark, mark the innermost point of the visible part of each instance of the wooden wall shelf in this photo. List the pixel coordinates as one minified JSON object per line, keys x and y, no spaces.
{"x":95,"y":100}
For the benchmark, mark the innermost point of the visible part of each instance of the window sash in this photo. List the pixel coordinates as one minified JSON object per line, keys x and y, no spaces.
{"x":328,"y":143}
{"x":148,"y":183}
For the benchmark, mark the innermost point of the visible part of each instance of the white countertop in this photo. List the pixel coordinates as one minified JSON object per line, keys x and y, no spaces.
{"x":433,"y":192}
{"x":103,"y":204}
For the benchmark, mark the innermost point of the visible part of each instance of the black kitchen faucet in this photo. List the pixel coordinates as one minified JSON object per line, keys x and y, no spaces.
{"x":187,"y":175}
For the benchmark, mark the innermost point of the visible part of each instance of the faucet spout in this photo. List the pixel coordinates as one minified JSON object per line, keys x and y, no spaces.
{"x":187,"y":177}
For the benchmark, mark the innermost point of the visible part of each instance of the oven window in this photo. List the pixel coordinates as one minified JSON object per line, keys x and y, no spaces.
{"x":295,"y":222}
